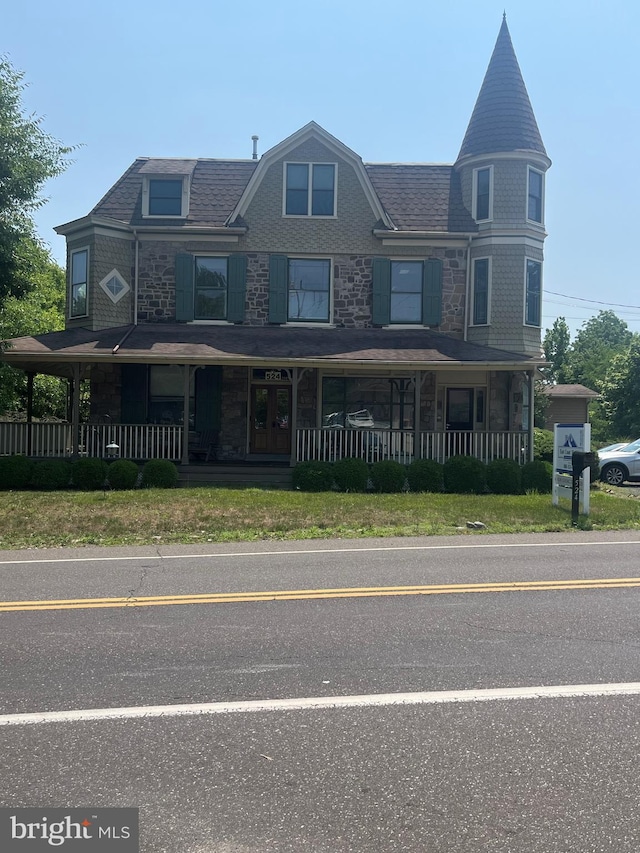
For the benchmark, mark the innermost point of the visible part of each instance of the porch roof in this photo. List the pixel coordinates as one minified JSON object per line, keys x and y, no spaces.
{"x":258,"y":346}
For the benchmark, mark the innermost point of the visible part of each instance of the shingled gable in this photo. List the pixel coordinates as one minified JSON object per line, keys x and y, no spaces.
{"x":312,"y":130}
{"x":502,"y":119}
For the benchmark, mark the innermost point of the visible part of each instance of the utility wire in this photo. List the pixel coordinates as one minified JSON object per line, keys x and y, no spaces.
{"x":595,"y":301}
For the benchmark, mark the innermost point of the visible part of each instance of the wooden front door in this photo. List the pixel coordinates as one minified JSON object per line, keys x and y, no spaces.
{"x":270,"y":419}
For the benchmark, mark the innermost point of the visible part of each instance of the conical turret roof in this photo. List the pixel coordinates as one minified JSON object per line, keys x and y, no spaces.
{"x":502,"y":118}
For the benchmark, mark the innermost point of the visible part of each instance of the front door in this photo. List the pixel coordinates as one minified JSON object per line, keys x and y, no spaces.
{"x":459,"y":409}
{"x":270,"y":419}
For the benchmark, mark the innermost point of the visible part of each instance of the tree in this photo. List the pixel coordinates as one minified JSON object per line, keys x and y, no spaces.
{"x":28,"y":157}
{"x":39,"y":311}
{"x":597,"y":342}
{"x":621,"y":391}
{"x":556,"y":344}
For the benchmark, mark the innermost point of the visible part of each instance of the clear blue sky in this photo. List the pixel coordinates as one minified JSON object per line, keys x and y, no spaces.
{"x":393,"y":81}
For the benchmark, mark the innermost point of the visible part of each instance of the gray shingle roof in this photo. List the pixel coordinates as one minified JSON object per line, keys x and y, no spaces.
{"x":502,"y":118}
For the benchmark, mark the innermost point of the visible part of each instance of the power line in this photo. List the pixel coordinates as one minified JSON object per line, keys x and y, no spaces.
{"x":595,"y":301}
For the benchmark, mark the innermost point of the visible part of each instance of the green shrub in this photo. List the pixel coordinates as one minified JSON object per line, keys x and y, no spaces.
{"x":504,"y":477}
{"x":425,"y":475}
{"x":51,"y":475}
{"x":312,"y":476}
{"x":88,"y":474}
{"x":465,"y":475}
{"x":351,"y":475}
{"x":159,"y":474}
{"x":122,"y":474}
{"x":15,"y":472}
{"x":543,"y":444}
{"x":537,"y":476}
{"x":388,"y":476}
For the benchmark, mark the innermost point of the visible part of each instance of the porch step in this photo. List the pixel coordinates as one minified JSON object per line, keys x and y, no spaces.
{"x":271,"y":476}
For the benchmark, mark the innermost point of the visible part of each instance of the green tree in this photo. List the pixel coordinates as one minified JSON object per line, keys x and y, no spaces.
{"x":597,"y":342}
{"x":556,"y":344}
{"x":28,"y":157}
{"x":621,"y":391}
{"x":39,"y":311}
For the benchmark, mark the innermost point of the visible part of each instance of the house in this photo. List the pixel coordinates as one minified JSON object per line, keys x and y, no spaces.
{"x":567,"y":404}
{"x":307,"y":304}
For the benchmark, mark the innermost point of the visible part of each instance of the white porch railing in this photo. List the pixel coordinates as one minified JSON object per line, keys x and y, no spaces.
{"x":135,"y":441}
{"x":371,"y":445}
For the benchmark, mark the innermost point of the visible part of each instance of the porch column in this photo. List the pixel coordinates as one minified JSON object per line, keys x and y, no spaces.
{"x":186,"y":376}
{"x":75,"y":411}
{"x":29,"y":411}
{"x":295,"y":378}
{"x":532,"y":385}
{"x":417,"y":382}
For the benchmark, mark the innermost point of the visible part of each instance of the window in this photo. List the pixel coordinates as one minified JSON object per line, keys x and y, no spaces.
{"x":533,"y":296}
{"x":482,"y":185}
{"x":79,"y":279}
{"x":406,"y":292}
{"x":165,"y":197}
{"x":309,"y":290}
{"x":166,"y":394}
{"x":368,"y":403}
{"x":481,"y":291}
{"x":310,"y":189}
{"x":114,"y":286}
{"x":210,"y":294}
{"x":534,"y":202}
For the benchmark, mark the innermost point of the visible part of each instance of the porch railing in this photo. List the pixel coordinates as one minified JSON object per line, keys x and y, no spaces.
{"x":371,"y":445}
{"x":134,"y":441}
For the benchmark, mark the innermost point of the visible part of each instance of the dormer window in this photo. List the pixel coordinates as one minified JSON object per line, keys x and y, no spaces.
{"x":482,"y":194}
{"x":165,"y":197}
{"x":310,"y":189}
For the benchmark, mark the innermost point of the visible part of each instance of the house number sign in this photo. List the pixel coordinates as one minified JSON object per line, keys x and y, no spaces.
{"x":273,"y":374}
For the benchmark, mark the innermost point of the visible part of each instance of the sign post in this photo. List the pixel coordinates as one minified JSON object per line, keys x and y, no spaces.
{"x":567,"y":440}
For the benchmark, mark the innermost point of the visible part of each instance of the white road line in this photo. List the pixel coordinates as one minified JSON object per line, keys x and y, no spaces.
{"x":293,"y":553}
{"x":375,"y":700}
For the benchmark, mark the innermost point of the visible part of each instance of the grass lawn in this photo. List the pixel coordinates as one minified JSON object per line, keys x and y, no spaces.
{"x":153,"y":516}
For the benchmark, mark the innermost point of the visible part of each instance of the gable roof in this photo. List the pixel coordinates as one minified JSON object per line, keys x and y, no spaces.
{"x":569,"y":391}
{"x":502,"y":119}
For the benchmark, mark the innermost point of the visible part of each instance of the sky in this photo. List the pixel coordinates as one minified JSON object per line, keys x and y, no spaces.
{"x":395,"y":82}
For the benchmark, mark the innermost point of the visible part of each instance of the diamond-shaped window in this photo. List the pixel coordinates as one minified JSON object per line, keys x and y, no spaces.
{"x":114,"y":286}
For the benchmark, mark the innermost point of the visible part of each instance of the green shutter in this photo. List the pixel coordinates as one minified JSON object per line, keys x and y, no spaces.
{"x":184,"y":288}
{"x":278,"y":266}
{"x":432,"y":292}
{"x":236,"y":288}
{"x":133,"y":400}
{"x":381,"y":278}
{"x":208,"y":391}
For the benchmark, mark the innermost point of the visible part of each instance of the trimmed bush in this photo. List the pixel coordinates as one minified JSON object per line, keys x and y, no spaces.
{"x":51,"y":475}
{"x":388,"y":476}
{"x":351,"y":475}
{"x":159,"y":474}
{"x":425,"y":475}
{"x":504,"y":477}
{"x":15,"y":472}
{"x":88,"y":474}
{"x":312,"y":476}
{"x":543,"y":444}
{"x":122,"y":474}
{"x":464,"y":475}
{"x":537,"y":476}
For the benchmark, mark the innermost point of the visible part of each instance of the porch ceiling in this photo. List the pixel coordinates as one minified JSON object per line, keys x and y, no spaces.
{"x":258,"y":346}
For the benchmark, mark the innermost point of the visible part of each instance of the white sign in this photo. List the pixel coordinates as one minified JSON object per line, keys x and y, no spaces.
{"x":566,"y":439}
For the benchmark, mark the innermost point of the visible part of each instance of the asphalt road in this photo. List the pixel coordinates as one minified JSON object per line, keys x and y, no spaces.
{"x":534,"y":773}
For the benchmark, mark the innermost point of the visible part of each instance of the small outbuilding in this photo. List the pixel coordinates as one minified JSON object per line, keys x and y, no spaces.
{"x":568,"y":404}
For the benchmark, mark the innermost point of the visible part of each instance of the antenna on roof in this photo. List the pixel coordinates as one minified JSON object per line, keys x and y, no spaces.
{"x":255,"y":147}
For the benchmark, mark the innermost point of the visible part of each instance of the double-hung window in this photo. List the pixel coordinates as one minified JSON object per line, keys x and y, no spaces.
{"x":406,"y":292}
{"x":310,"y":189}
{"x":210,"y":292}
{"x":482,"y":194}
{"x":79,"y":277}
{"x":309,"y":290}
{"x":480,"y":291}
{"x":533,"y":293}
{"x":165,"y":197}
{"x":534,"y":196}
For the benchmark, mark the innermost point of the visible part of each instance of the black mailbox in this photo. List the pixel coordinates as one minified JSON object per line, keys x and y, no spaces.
{"x":581,"y":460}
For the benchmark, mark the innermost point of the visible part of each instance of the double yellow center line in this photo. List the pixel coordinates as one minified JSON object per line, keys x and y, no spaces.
{"x":307,"y":594}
